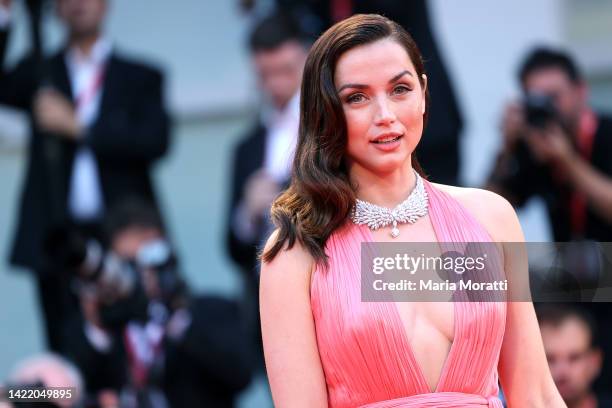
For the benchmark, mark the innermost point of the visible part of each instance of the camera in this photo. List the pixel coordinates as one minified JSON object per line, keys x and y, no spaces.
{"x":540,"y":110}
{"x":117,"y":282}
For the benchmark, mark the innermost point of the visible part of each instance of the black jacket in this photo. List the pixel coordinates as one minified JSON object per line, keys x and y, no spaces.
{"x":525,"y":178}
{"x":213,"y":362}
{"x":248,"y":158}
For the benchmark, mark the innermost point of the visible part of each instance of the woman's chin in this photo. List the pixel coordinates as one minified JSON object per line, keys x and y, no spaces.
{"x":380,"y":165}
{"x":388,"y":165}
{"x":388,"y":169}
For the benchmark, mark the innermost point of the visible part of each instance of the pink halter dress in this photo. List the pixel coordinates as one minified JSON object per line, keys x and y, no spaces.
{"x":363,"y":346}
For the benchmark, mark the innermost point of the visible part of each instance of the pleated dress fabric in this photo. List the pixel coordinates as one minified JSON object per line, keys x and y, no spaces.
{"x":364,"y":348}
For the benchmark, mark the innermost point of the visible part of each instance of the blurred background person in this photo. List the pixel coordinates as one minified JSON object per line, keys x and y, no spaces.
{"x":571,"y":343}
{"x":443,"y":130}
{"x":144,"y":335}
{"x":262,"y":160}
{"x":46,"y":371}
{"x":556,"y":147}
{"x":98,"y":124}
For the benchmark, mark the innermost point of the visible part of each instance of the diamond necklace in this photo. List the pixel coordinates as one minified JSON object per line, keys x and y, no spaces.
{"x":409,"y":210}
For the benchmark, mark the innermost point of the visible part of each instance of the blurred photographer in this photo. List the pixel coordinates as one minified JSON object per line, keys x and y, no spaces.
{"x":555,"y":146}
{"x":143,"y":335}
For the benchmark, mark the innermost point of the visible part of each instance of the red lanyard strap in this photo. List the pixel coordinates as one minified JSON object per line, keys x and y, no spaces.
{"x":86,"y":96}
{"x":578,"y":203}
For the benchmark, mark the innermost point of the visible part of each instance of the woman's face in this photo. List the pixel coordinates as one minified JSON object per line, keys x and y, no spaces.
{"x":383,"y":103}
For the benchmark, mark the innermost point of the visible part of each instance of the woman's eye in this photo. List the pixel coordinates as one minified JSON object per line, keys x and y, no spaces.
{"x":400,"y":89}
{"x":355,"y":98}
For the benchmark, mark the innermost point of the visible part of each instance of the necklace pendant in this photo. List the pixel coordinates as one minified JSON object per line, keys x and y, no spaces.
{"x":395,"y":231}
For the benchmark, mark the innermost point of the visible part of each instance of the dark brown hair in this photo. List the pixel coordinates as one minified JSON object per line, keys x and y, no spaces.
{"x":274,"y":31}
{"x":556,"y":314}
{"x":545,"y":58}
{"x":320,"y":197}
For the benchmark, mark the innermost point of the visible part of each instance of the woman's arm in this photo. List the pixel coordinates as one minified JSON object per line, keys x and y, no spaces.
{"x":287,"y":326}
{"x":523,"y":368}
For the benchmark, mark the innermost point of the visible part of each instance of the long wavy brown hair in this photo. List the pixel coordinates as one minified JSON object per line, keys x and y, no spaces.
{"x":320,"y":197}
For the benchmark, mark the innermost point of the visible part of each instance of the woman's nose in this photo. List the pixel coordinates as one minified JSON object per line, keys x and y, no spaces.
{"x":384,"y":113}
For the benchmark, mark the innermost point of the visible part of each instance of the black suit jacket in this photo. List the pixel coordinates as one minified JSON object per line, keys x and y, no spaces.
{"x":213,"y":362}
{"x":130,"y":132}
{"x":248,"y":158}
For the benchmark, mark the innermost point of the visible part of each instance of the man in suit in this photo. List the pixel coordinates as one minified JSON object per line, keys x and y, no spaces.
{"x":98,"y":124}
{"x":262,"y":159}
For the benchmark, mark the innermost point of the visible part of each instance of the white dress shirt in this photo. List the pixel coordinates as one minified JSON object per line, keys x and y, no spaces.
{"x":280,"y":143}
{"x":5,"y":17}
{"x":281,"y":138}
{"x":86,"y":78}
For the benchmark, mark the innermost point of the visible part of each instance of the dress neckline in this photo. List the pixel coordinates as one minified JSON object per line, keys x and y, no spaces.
{"x":399,"y":324}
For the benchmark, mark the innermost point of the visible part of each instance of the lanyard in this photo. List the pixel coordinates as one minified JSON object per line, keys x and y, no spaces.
{"x":143,"y":345}
{"x":87,"y":94}
{"x":577,"y":201}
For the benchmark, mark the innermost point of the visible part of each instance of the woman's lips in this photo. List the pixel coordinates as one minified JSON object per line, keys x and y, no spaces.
{"x":387,"y":143}
{"x":387,"y":139}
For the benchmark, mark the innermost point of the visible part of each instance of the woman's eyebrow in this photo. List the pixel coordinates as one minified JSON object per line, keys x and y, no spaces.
{"x":357,"y":86}
{"x":362,"y":86}
{"x":401,"y":74}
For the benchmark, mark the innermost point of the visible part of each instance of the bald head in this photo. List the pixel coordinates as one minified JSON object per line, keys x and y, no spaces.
{"x":52,"y":371}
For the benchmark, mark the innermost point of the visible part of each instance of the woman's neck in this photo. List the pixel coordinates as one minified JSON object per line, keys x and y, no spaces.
{"x":384,"y":189}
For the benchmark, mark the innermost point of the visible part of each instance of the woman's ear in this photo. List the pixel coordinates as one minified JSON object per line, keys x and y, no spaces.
{"x":424,"y":90}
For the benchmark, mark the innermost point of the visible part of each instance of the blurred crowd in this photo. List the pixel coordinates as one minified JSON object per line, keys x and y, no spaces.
{"x":121,"y":323}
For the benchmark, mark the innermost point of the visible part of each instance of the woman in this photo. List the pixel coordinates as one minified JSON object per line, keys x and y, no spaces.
{"x":364,"y":99}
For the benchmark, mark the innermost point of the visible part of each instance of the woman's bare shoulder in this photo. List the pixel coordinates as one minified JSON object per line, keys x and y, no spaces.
{"x":493,"y":211}
{"x":293,"y":264}
{"x":477,"y":198}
